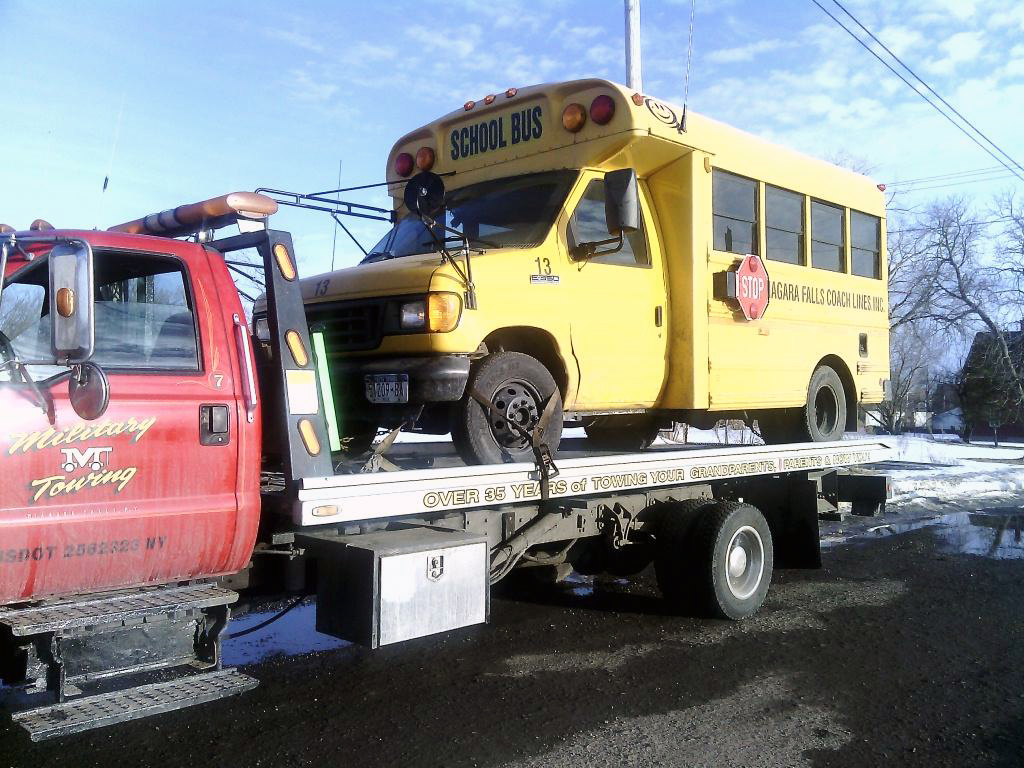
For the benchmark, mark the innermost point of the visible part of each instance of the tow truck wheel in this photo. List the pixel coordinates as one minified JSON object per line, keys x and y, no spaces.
{"x":627,"y":432}
{"x":723,"y":566}
{"x":519,"y":387}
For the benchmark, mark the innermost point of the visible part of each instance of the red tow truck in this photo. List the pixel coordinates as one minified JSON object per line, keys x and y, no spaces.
{"x":152,"y":453}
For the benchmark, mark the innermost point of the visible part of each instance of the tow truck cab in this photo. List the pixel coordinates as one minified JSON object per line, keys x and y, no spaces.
{"x":160,"y":482}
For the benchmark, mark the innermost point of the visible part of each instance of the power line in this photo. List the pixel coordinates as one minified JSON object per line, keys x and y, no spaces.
{"x":962,"y":182}
{"x":952,"y":175}
{"x":910,"y":85}
{"x":931,"y":90}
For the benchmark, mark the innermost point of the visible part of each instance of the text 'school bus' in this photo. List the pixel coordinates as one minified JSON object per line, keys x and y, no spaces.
{"x":600,"y":252}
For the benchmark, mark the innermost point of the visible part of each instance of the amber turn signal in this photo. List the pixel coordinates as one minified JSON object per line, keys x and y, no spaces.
{"x":65,"y":302}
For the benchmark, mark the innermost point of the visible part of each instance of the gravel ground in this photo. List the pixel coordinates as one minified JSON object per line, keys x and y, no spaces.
{"x":902,"y":650}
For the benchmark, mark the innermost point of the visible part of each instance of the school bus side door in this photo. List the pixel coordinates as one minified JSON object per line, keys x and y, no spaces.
{"x":618,"y":315}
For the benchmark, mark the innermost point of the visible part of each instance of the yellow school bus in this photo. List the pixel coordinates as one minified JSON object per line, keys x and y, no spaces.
{"x":748,"y":281}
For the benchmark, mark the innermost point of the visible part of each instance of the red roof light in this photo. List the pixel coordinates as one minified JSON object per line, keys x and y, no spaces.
{"x":602,"y":109}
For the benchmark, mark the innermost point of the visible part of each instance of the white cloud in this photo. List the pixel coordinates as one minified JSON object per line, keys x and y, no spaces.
{"x":744,"y":52}
{"x":303,"y":87}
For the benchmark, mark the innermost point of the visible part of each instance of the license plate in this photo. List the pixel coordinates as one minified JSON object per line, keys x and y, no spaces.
{"x":387,"y":388}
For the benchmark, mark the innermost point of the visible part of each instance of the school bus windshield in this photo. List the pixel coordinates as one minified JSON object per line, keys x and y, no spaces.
{"x":513,"y":212}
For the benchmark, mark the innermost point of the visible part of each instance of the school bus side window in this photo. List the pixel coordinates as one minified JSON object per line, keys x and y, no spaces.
{"x":865,"y":245}
{"x":784,"y":225}
{"x":588,"y":225}
{"x":734,"y":209}
{"x":827,"y":237}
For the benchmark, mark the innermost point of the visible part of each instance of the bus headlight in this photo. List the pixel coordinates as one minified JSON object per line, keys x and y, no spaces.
{"x":413,"y":315}
{"x":438,"y":313}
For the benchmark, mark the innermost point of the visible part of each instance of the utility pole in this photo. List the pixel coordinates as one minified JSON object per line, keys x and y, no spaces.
{"x":633,"y":45}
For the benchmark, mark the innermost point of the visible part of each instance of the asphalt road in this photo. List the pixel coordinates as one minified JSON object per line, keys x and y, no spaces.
{"x":905,"y":649}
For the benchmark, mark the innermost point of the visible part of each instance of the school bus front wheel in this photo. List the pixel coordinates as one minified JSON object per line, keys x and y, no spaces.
{"x":518,"y":387}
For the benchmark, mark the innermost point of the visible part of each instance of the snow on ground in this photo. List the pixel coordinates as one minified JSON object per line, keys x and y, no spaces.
{"x":945,"y":466}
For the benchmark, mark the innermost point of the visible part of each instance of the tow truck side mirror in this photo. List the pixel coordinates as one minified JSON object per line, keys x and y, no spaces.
{"x":72,"y":319}
{"x":621,"y":202}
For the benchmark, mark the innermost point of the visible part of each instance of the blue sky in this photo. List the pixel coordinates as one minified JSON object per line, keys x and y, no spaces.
{"x":217,"y":96}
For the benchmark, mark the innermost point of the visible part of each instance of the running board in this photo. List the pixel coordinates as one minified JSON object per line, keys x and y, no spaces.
{"x":66,"y":616}
{"x":120,"y":706}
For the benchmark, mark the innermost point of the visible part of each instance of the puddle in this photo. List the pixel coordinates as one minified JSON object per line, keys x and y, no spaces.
{"x":994,"y":532}
{"x":293,"y":633}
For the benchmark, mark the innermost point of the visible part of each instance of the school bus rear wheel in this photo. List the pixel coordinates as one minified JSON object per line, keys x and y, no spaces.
{"x":822,"y":419}
{"x":519,"y":387}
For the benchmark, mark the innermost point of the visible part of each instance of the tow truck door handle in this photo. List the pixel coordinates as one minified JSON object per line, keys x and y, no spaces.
{"x":214,"y":425}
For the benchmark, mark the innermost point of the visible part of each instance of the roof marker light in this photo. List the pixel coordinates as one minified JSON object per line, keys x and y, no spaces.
{"x":5,"y":228}
{"x":489,"y":98}
{"x":574,"y":117}
{"x":469,"y":105}
{"x":40,"y":225}
{"x":511,"y":92}
{"x":425,"y":158}
{"x":638,"y":99}
{"x":403,"y":164}
{"x":602,"y":109}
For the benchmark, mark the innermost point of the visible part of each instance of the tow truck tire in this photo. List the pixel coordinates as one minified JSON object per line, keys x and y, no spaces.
{"x":671,"y":566}
{"x":822,"y":419}
{"x":628,"y":432}
{"x":727,"y":563}
{"x":519,"y":386}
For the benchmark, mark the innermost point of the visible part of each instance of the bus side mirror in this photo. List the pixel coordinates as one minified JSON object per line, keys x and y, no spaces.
{"x":72,"y":320}
{"x":621,"y":202}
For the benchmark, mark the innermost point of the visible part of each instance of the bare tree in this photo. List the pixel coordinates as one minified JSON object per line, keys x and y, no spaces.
{"x":970,"y":294}
{"x":912,"y":354}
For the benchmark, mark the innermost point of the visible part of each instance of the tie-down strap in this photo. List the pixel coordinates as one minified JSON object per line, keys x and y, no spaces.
{"x":546,"y":467}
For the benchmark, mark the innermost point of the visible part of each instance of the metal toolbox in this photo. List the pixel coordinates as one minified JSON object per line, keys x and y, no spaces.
{"x":384,"y":587}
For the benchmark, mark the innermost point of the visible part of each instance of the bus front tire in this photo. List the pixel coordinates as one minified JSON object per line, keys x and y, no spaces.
{"x":627,"y":432}
{"x":519,"y":386}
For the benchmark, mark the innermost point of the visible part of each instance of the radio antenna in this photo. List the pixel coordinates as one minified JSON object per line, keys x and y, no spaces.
{"x":113,"y":153}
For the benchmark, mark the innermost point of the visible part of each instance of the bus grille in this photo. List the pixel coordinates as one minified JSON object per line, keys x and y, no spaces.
{"x":349,"y":325}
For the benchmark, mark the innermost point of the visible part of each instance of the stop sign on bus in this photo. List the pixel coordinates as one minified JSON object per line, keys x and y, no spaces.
{"x":752,"y":287}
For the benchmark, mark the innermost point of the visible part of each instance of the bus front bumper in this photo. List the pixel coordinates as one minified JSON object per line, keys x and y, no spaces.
{"x":440,"y":379}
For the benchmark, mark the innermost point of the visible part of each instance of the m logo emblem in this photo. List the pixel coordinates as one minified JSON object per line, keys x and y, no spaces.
{"x":94,"y":458}
{"x":435,"y":567}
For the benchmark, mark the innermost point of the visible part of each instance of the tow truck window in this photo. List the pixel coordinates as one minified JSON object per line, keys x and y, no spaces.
{"x":144,"y":317}
{"x":514,"y":212}
{"x":588,"y":225}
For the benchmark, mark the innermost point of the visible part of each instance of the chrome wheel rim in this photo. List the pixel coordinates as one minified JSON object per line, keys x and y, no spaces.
{"x":744,"y":562}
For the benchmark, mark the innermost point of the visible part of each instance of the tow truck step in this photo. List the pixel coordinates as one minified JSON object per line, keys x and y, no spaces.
{"x":120,"y":706}
{"x":65,"y":616}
